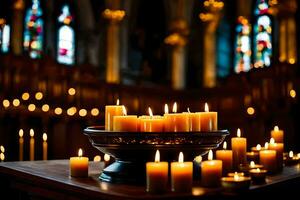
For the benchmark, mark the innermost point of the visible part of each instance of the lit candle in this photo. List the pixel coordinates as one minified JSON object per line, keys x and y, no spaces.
{"x":2,"y":155}
{"x":176,"y":122}
{"x":181,"y":175}
{"x":257,"y":148}
{"x":157,"y":175}
{"x":252,"y":156}
{"x":226,"y":157}
{"x":236,"y":183}
{"x":151,"y":123}
{"x":246,"y":167}
{"x":208,"y":120}
{"x":211,"y":171}
{"x":239,"y":149}
{"x":125,"y":122}
{"x":45,"y":147}
{"x":21,"y":145}
{"x":31,"y":144}
{"x":258,"y":175}
{"x":79,"y":166}
{"x":277,"y":134}
{"x":268,"y":159}
{"x":291,"y":159}
{"x":194,"y":120}
{"x":110,"y":112}
{"x":106,"y":160}
{"x":278,"y":147}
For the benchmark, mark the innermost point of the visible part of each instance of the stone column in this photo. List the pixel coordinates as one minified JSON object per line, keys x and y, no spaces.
{"x":114,"y":16}
{"x":17,"y":27}
{"x":211,"y":18}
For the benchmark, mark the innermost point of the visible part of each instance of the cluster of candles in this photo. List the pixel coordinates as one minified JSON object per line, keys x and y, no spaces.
{"x":116,"y":119}
{"x":231,"y":163}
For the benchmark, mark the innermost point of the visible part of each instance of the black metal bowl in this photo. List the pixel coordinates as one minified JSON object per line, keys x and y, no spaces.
{"x":133,"y":149}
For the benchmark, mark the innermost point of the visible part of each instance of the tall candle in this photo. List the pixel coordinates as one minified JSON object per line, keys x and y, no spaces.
{"x":31,"y":145}
{"x":268,"y":159}
{"x":45,"y":147}
{"x":239,"y":149}
{"x":125,"y":122}
{"x":194,"y":120}
{"x":110,"y":112}
{"x":278,"y":147}
{"x":181,"y":175}
{"x":157,"y":175}
{"x":208,"y":120}
{"x":226,"y":157}
{"x":211,"y":171}
{"x":21,"y":145}
{"x":176,"y":122}
{"x":151,"y":123}
{"x":277,"y":134}
{"x":79,"y":166}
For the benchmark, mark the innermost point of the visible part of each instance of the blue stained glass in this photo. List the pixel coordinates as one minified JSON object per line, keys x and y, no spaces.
{"x":4,"y":38}
{"x":66,"y":38}
{"x":34,"y":27}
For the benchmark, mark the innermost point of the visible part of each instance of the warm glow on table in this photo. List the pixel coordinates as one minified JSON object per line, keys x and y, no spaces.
{"x":277,"y":134}
{"x":211,"y":171}
{"x":157,"y":175}
{"x":176,"y":122}
{"x":125,"y":122}
{"x":208,"y":120}
{"x":226,"y":157}
{"x":110,"y":112}
{"x":239,"y":149}
{"x":181,"y":175}
{"x":79,"y":165}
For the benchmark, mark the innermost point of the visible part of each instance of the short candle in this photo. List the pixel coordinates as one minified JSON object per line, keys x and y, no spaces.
{"x":258,"y":175}
{"x":176,"y":122}
{"x":277,"y":134}
{"x":211,"y":171}
{"x":268,"y":159}
{"x":79,"y":165}
{"x":194,"y":120}
{"x":181,"y":175}
{"x":151,"y":123}
{"x":208,"y":120}
{"x":226,"y":157}
{"x":125,"y":122}
{"x":110,"y":112}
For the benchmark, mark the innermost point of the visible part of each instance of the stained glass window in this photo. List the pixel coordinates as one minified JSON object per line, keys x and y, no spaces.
{"x":4,"y":38}
{"x":66,"y":38}
{"x":262,"y":35}
{"x":34,"y":27}
{"x":242,"y":46}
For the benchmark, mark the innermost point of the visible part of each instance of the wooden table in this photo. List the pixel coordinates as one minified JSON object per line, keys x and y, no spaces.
{"x":50,"y":180}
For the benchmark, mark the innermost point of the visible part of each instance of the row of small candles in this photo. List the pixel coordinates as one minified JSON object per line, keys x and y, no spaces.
{"x":116,"y":119}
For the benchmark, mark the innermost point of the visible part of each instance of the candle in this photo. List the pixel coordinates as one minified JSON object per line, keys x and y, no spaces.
{"x":246,"y":167}
{"x":194,"y":120}
{"x":208,"y":120}
{"x":110,"y":112}
{"x":176,"y":122}
{"x":181,"y":175}
{"x":278,"y":147}
{"x":257,"y":148}
{"x":226,"y":157}
{"x":45,"y":147}
{"x":2,"y":157}
{"x":277,"y":134}
{"x":239,"y":149}
{"x":231,"y":174}
{"x":252,"y":156}
{"x":125,"y":122}
{"x":31,"y":144}
{"x":151,"y":123}
{"x":79,"y":166}
{"x":258,"y":175}
{"x":291,"y":159}
{"x":21,"y":145}
{"x":268,"y":159}
{"x":157,"y":175}
{"x":211,"y":172}
{"x":106,"y":160}
{"x":236,"y":183}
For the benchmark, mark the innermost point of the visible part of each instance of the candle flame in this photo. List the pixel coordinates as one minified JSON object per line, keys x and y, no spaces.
{"x":80,"y":152}
{"x":198,"y":159}
{"x":174,"y":108}
{"x":210,"y":155}
{"x":252,"y":164}
{"x":97,"y":158}
{"x":124,"y":110}
{"x":157,"y":156}
{"x":236,"y":176}
{"x":238,"y":132}
{"x":266,"y":145}
{"x":291,"y":154}
{"x":188,"y":109}
{"x":276,"y":128}
{"x":118,"y":102}
{"x":180,"y":157}
{"x":225,"y":145}
{"x":258,"y":170}
{"x":206,"y":109}
{"x":272,"y":141}
{"x":31,"y":132}
{"x":258,"y":147}
{"x":298,"y":155}
{"x":21,"y":132}
{"x":166,"y":109}
{"x":106,"y":157}
{"x":150,"y":112}
{"x":45,"y":137}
